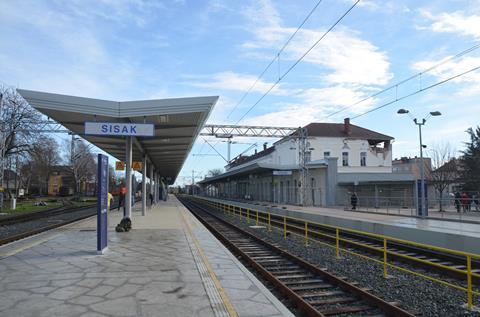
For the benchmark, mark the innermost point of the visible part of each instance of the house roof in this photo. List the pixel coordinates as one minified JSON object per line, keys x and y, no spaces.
{"x":338,"y":130}
{"x":244,"y":159}
{"x":451,"y":166}
{"x":248,"y":169}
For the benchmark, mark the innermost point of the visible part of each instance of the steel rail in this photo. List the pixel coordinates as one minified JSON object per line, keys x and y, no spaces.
{"x":42,"y":229}
{"x":416,"y":256}
{"x":302,"y":304}
{"x":399,"y":250}
{"x":27,"y":216}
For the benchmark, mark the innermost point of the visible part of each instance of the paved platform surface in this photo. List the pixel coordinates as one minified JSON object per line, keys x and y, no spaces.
{"x":443,"y":225}
{"x":168,"y":265}
{"x":458,"y":235}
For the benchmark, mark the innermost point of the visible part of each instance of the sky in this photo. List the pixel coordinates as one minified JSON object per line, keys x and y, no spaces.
{"x":133,"y":49}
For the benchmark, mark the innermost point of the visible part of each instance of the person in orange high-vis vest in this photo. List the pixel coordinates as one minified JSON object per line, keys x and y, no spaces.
{"x":121,"y":198}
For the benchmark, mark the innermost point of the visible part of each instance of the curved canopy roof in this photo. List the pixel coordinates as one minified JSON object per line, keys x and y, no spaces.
{"x":177,"y":123}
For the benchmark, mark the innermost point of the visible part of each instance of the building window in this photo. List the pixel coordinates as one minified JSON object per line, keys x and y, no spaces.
{"x":308,"y":156}
{"x":344,"y":158}
{"x":363,"y":158}
{"x":326,"y":155}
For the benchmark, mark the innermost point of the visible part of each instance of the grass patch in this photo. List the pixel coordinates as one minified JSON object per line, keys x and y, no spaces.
{"x":24,"y":206}
{"x":27,"y":206}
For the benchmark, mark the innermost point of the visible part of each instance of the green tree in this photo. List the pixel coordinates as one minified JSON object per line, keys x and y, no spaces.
{"x":470,"y":162}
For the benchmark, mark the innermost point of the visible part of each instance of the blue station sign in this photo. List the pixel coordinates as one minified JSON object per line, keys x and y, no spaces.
{"x":119,"y":129}
{"x":102,"y":203}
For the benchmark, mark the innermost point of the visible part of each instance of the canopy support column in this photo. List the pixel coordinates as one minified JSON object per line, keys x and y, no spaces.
{"x":151,"y":184}
{"x":144,"y":185}
{"x":156,"y":187}
{"x":128,"y":176}
{"x":126,"y":223}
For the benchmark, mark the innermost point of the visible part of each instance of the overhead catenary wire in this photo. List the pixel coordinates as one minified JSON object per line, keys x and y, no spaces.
{"x":418,"y":91}
{"x":403,"y":81}
{"x":299,"y":60}
{"x":293,"y":65}
{"x":215,"y":150}
{"x":276,"y":57}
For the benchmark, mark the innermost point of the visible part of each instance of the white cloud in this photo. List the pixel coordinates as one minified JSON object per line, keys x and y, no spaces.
{"x":288,"y":116}
{"x":342,"y":55}
{"x":262,"y":14}
{"x":235,"y":82}
{"x":470,"y":82}
{"x":455,"y":22}
{"x":64,"y":51}
{"x":349,"y":67}
{"x":314,"y":106}
{"x":222,"y":109}
{"x":385,"y":6}
{"x":332,"y":98}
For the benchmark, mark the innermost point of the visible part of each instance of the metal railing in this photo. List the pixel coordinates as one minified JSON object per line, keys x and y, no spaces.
{"x":339,"y":235}
{"x":447,"y":207}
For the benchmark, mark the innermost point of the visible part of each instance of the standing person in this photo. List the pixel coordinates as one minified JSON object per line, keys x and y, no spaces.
{"x":464,"y":201}
{"x":457,"y":201}
{"x":109,"y":200}
{"x":121,"y":199}
{"x":151,"y":199}
{"x":354,"y":201}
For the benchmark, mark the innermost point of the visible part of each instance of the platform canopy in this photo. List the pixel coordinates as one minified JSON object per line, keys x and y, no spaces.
{"x":177,"y":123}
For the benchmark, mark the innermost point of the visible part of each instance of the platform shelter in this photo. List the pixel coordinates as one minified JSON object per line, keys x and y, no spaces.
{"x":174,"y":125}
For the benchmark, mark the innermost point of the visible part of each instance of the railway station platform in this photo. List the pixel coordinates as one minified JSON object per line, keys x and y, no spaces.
{"x":445,"y":233}
{"x":168,"y":265}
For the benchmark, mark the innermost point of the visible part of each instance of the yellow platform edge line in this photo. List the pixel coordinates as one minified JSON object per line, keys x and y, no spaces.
{"x":228,"y":305}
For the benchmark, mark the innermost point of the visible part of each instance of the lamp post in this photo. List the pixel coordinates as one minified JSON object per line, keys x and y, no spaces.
{"x":423,"y":211}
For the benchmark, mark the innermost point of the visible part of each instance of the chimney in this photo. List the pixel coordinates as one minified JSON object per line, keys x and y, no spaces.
{"x":265,"y":146}
{"x":346,"y":126}
{"x":255,"y":151}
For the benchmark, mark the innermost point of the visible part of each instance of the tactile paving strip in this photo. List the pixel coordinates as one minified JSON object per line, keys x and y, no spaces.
{"x":218,"y":299}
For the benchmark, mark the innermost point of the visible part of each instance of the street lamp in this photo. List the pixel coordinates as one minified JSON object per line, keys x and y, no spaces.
{"x":423,"y":211}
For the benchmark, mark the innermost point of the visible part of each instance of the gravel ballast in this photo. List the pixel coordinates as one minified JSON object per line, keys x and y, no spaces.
{"x":10,"y":230}
{"x":415,"y":294}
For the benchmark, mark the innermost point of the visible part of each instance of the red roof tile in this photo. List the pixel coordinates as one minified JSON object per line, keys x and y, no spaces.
{"x":338,"y":130}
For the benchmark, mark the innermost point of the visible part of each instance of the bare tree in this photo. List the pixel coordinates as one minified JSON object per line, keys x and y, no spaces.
{"x":43,"y":157}
{"x":444,"y":169}
{"x":20,"y":122}
{"x":81,"y":161}
{"x":214,"y":172}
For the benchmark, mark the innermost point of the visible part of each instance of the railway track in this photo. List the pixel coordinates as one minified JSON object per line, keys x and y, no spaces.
{"x":431,"y":261}
{"x":311,"y":290}
{"x":28,"y":216}
{"x":16,"y":228}
{"x":439,"y":263}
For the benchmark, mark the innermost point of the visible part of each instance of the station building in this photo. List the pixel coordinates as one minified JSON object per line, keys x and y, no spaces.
{"x":340,"y":158}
